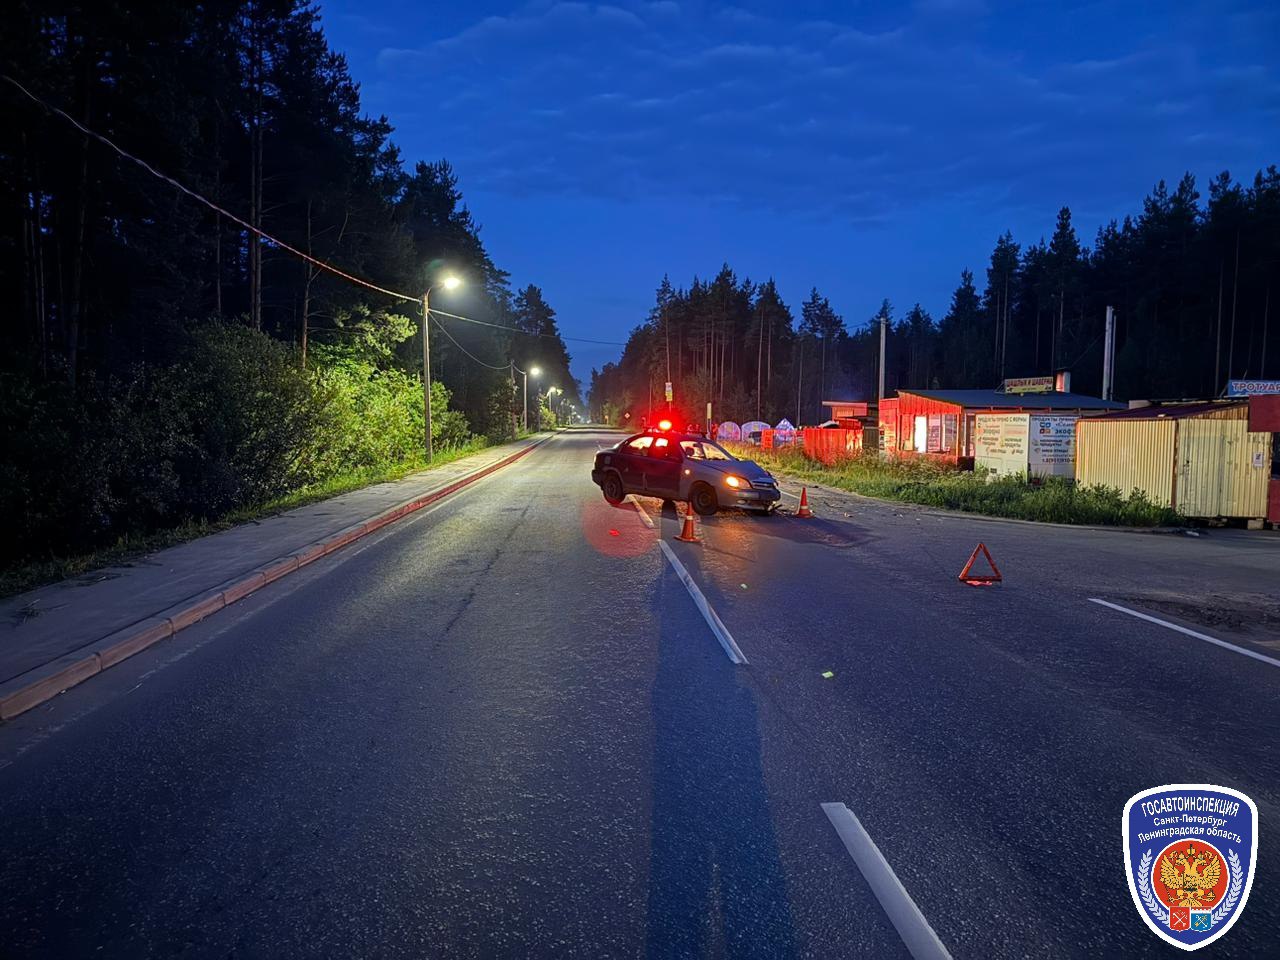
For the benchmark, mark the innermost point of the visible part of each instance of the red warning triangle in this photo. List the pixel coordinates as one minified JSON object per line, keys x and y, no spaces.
{"x":967,"y":576}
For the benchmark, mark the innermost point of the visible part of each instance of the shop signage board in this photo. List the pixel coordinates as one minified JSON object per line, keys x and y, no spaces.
{"x":1252,"y":388}
{"x":1029,"y":385}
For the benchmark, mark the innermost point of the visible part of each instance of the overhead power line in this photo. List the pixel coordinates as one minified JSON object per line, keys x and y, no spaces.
{"x":445,"y":330}
{"x":276,"y":241}
{"x":503,"y":326}
{"x":207,"y":202}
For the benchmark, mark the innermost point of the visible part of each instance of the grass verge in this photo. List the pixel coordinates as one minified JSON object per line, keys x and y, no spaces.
{"x":27,"y":576}
{"x":921,"y":481}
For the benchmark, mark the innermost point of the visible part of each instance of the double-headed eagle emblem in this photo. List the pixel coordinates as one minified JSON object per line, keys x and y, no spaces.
{"x":1190,"y":876}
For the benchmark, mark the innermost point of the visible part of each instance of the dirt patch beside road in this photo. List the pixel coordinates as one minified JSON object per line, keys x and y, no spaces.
{"x":1254,"y":615}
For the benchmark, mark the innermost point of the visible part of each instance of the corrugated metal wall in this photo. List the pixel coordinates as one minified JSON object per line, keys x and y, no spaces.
{"x":1128,"y":455}
{"x":1234,"y":411}
{"x":911,"y":406}
{"x":1223,"y":469}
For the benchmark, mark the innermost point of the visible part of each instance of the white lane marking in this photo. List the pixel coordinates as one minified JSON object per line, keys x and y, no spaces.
{"x":785,"y":494}
{"x":644,"y":514}
{"x":922,"y":943}
{"x":713,"y":621}
{"x":1190,"y":633}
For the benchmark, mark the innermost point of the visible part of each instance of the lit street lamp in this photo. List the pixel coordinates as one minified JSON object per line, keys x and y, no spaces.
{"x":449,"y":283}
{"x":551,"y":391}
{"x":535,"y":372}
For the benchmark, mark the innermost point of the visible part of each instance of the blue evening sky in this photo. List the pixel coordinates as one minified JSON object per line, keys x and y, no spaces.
{"x":869,"y":149}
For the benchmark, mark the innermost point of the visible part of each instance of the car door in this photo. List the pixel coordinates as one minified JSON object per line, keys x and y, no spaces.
{"x":630,"y":460}
{"x":662,"y":468}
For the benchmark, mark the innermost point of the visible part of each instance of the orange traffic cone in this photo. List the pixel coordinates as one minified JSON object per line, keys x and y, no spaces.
{"x":689,"y":534}
{"x":804,"y":510}
{"x":980,"y":579}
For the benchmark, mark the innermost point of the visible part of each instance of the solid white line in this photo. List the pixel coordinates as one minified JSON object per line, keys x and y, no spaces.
{"x":713,"y":621}
{"x":1190,"y":633}
{"x":922,"y":943}
{"x":785,"y":494}
{"x":644,"y":514}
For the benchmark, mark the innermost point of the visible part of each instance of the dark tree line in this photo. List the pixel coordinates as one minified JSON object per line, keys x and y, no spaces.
{"x":1193,"y":285}
{"x":112,"y":276}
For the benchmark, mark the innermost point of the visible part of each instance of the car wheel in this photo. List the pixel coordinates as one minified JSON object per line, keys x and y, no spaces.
{"x":703,"y":499}
{"x":612,"y":489}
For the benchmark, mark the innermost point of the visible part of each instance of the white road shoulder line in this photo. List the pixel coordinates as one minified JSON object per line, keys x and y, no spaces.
{"x":921,"y":942}
{"x":713,"y":621}
{"x":1190,"y":633}
{"x":786,"y":494}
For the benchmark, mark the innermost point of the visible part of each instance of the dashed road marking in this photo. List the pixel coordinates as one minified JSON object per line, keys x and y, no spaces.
{"x":713,"y":620}
{"x":1190,"y":633}
{"x":921,"y":942}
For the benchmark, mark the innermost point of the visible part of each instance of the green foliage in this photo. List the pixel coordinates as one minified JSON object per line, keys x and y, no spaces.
{"x":499,"y":424}
{"x":233,"y":423}
{"x":923,"y":481}
{"x":258,"y":425}
{"x":119,"y":418}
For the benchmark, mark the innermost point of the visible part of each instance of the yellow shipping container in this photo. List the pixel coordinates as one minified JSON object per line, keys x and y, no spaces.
{"x":1223,"y":469}
{"x":1199,"y":459}
{"x":1128,"y":455}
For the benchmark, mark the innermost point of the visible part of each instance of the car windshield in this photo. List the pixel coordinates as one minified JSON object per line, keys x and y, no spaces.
{"x":705,"y":450}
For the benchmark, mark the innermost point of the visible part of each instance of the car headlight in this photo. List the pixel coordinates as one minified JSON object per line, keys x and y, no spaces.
{"x":735,"y":481}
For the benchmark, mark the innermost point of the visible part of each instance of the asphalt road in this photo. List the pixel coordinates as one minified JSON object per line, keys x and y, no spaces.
{"x":502,"y":728}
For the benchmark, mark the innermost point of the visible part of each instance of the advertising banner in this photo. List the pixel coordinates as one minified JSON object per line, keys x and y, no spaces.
{"x":1052,"y":450}
{"x":1000,"y":443}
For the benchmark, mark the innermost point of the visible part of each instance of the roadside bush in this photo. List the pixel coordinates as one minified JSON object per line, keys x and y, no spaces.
{"x":930,"y":483}
{"x":260,"y":424}
{"x":234,"y":423}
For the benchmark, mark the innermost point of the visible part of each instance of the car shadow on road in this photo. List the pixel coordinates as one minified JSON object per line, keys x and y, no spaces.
{"x":716,"y":883}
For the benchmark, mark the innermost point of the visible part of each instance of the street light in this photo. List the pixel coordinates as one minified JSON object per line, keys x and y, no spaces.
{"x":532,"y":371}
{"x":449,"y":282}
{"x":552,"y":391}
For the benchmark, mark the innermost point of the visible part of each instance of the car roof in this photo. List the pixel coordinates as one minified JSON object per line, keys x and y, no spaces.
{"x":673,"y":434}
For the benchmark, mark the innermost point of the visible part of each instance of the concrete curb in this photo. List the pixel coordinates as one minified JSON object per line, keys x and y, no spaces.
{"x":47,"y":681}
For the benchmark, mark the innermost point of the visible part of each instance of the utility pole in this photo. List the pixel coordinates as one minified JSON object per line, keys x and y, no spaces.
{"x":449,"y":283}
{"x":1266,"y":316}
{"x":666,"y":335}
{"x":1235,"y":290}
{"x":426,"y":368}
{"x":759,"y":360}
{"x":1109,"y":354}
{"x":799,"y":377}
{"x":524,"y":419}
{"x":884,"y":323}
{"x":1217,"y":352}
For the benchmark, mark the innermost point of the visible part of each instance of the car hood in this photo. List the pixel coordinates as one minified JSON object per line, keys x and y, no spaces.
{"x":747,"y":469}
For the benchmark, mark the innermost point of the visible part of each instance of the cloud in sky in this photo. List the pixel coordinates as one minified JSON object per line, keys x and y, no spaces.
{"x":858,"y":138}
{"x":824,"y":115}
